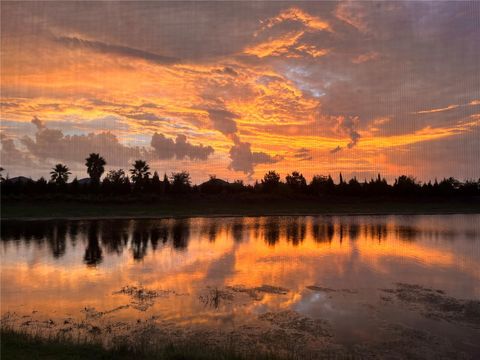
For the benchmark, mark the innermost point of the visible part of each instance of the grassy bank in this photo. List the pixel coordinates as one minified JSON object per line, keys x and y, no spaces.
{"x":62,"y":208}
{"x":22,"y":346}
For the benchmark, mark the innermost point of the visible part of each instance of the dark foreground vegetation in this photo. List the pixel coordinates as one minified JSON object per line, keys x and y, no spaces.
{"x":151,"y":207}
{"x":118,"y":184}
{"x":23,"y":346}
{"x":175,"y":195}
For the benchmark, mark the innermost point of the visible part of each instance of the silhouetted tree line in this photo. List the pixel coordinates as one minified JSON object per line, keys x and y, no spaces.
{"x":139,"y":180}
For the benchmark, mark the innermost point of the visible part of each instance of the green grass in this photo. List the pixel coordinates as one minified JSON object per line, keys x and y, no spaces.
{"x":18,"y":345}
{"x":44,"y":209}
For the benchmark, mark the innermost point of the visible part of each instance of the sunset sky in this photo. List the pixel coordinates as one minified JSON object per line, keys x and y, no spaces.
{"x":237,"y":89}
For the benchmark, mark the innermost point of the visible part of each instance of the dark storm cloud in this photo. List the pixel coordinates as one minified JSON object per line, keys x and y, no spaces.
{"x":186,"y":30}
{"x":244,"y":159}
{"x":223,"y":120}
{"x":165,"y":148}
{"x":105,"y":48}
{"x":53,"y":144}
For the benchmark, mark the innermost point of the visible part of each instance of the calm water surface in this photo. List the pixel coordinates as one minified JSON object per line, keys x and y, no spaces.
{"x":224,"y":272}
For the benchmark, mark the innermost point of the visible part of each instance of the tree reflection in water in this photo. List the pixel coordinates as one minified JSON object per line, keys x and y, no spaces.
{"x":141,"y":236}
{"x":93,"y":251}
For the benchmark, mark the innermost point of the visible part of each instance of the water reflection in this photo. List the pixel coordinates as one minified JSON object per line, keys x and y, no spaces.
{"x":272,"y":231}
{"x":93,"y":251}
{"x":331,"y":268}
{"x":144,"y":236}
{"x":323,"y":231}
{"x":180,"y":234}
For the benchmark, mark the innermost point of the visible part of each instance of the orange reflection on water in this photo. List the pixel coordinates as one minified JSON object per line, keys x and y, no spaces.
{"x":60,"y":268}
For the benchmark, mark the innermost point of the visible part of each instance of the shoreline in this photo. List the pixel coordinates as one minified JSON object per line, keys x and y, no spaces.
{"x":230,"y":215}
{"x":74,"y":210}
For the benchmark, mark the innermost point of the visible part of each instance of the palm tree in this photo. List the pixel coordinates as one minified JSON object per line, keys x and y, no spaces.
{"x":95,"y":167}
{"x":59,"y":174}
{"x":140,"y":171}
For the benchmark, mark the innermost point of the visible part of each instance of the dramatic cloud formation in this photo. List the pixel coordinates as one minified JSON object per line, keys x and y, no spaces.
{"x":243,"y":159}
{"x":288,"y":43}
{"x":53,"y":144}
{"x":230,"y":89}
{"x":166,"y":148}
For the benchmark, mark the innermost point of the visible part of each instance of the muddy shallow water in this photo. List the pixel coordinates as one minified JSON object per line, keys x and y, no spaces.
{"x":366,"y":286}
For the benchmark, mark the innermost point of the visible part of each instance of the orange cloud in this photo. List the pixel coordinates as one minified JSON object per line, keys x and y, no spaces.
{"x":449,"y":107}
{"x":312,"y":50}
{"x":372,"y":55}
{"x":426,"y":134}
{"x":288,"y":44}
{"x":275,"y":47}
{"x":298,"y":15}
{"x":430,"y":111}
{"x":77,"y":82}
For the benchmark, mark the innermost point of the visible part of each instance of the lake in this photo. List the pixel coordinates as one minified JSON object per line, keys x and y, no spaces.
{"x":335,"y":285}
